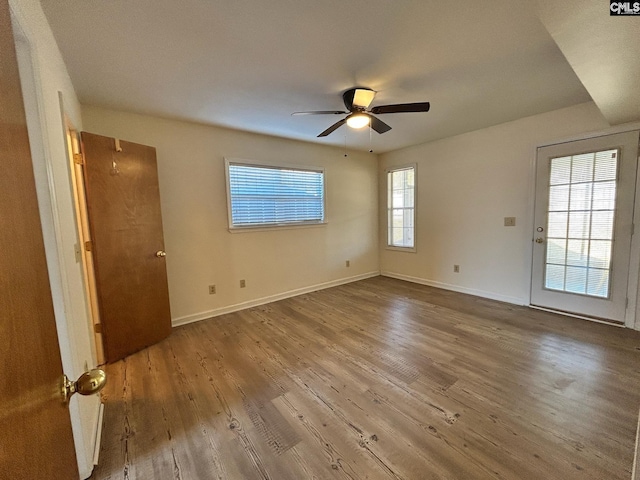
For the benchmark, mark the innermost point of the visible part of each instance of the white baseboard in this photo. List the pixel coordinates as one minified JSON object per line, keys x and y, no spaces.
{"x":272,"y":298}
{"x":457,"y":288}
{"x":98,"y":439}
{"x":634,"y":472}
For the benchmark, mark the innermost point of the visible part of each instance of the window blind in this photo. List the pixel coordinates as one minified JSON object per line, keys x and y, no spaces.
{"x":269,"y":196}
{"x":582,"y":204}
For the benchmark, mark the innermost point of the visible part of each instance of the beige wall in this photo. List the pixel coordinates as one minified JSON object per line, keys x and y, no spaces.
{"x":467,"y":184}
{"x":274,"y":263}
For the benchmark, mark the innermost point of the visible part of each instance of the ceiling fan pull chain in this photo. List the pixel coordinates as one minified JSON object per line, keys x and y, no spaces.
{"x":370,"y":148}
{"x":345,"y":144}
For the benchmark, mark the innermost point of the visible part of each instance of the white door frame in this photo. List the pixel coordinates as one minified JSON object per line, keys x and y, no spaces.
{"x":632,"y":316}
{"x":72,"y":137}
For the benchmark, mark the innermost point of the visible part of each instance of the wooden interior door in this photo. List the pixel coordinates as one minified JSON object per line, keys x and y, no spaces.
{"x":123,"y":200}
{"x":35,"y":428}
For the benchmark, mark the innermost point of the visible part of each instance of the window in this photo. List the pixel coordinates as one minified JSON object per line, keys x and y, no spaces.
{"x":267,"y":195}
{"x":401,"y":199}
{"x":582,"y":207}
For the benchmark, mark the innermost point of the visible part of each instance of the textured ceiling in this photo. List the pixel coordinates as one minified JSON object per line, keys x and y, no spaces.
{"x":248,"y":64}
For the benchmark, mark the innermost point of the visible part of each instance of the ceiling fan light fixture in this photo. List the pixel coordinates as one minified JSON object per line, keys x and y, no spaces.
{"x":358,"y":120}
{"x":363,"y":97}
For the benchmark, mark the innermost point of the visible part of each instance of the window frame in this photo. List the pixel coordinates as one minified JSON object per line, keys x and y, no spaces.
{"x":389,"y":207}
{"x":272,"y":165}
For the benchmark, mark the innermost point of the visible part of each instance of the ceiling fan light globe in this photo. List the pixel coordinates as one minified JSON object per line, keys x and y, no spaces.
{"x":358,"y":121}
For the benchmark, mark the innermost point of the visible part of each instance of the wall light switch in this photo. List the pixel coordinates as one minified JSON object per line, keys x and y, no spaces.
{"x":509,"y":221}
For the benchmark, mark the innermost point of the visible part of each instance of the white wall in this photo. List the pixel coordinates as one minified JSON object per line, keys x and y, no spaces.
{"x":43,"y":76}
{"x":467,"y":184}
{"x":275,"y":263}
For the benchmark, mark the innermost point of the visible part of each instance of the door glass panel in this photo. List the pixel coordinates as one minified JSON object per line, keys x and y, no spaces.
{"x":559,"y":198}
{"x":557,"y":226}
{"x":579,"y":224}
{"x":582,"y":201}
{"x":598,"y":283}
{"x":555,"y":277}
{"x":577,"y":253}
{"x":576,"y":280}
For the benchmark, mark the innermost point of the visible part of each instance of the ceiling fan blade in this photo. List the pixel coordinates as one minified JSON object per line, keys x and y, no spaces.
{"x":402,"y":108}
{"x":321,"y":112}
{"x":378,"y":125}
{"x":333,"y":127}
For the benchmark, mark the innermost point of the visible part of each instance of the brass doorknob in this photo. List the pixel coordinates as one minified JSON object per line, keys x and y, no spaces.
{"x":161,"y":253}
{"x":539,"y":240}
{"x":87,"y":384}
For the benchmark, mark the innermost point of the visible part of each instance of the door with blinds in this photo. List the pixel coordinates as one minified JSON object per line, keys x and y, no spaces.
{"x":585,"y":193}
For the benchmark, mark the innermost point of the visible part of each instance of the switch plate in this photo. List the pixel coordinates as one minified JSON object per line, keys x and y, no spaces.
{"x":348,"y":263}
{"x":509,"y":221}
{"x":243,"y":284}
{"x":456,"y":269}
{"x":212,"y":289}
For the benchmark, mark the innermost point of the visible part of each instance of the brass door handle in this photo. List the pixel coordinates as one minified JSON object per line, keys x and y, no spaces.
{"x":539,"y":240}
{"x":161,"y":253}
{"x":87,"y":384}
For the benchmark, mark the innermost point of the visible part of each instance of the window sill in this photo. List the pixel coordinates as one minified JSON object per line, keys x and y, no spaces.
{"x":262,"y":228}
{"x":401,"y":249}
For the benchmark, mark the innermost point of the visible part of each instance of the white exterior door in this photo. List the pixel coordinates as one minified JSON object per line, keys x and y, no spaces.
{"x":585,"y":193}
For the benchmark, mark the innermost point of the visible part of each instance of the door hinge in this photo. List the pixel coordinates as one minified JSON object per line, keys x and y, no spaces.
{"x":88,"y":246}
{"x":78,"y":159}
{"x":633,"y":229}
{"x":626,"y":303}
{"x":97,"y":327}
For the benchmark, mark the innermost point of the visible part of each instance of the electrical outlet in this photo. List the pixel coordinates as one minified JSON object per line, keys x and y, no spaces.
{"x":348,"y":263}
{"x":456,"y":269}
{"x":509,"y":221}
{"x":243,"y":284}
{"x":212,"y":289}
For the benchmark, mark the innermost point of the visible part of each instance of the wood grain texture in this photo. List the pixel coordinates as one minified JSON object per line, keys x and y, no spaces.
{"x":378,"y":379}
{"x":123,"y":200}
{"x":35,"y":429}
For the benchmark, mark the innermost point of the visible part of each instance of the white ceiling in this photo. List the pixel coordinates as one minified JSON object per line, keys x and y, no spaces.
{"x":248,"y":64}
{"x":604,"y":51}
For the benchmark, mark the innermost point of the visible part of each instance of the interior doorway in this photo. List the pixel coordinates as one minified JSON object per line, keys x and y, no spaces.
{"x":83,"y":248}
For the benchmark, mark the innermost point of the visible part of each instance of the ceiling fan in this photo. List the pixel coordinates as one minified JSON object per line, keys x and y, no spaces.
{"x":357,"y":100}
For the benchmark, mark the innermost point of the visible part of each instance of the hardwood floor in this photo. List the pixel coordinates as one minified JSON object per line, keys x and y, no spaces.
{"x":377,"y":379}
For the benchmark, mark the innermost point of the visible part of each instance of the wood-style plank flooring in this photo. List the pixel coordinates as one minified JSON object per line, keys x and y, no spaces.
{"x":378,"y":379}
